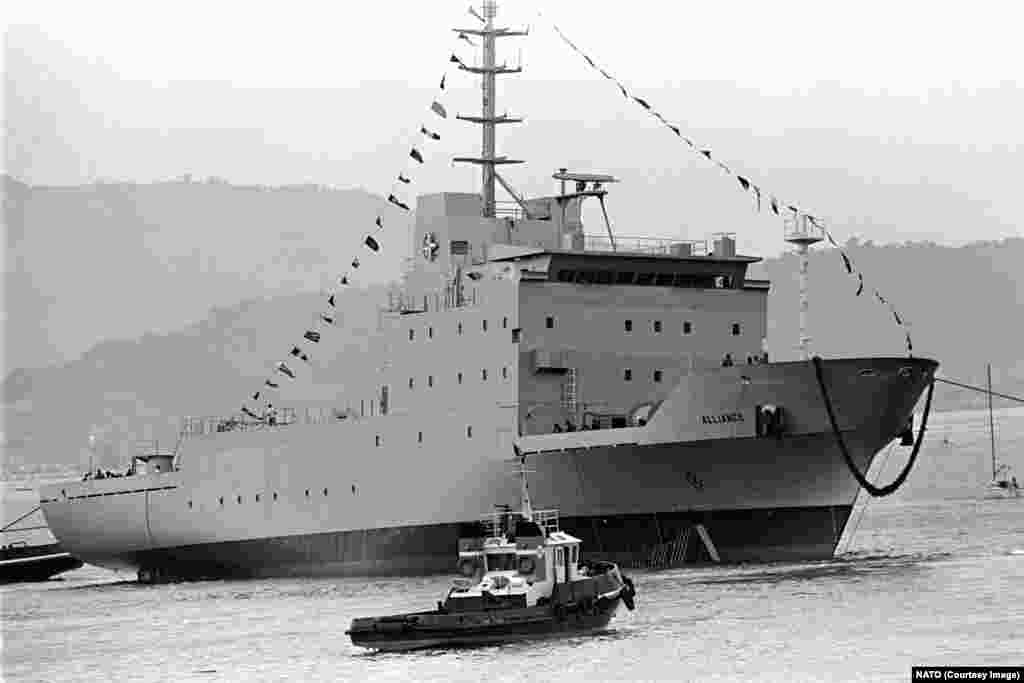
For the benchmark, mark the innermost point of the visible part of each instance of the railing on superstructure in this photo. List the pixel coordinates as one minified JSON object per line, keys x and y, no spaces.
{"x":646,"y":245}
{"x":497,"y":523}
{"x":218,"y":424}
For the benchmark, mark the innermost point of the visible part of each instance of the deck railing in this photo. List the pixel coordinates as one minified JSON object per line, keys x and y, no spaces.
{"x":646,"y":245}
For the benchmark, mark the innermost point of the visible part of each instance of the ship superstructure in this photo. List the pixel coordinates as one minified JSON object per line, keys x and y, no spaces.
{"x":631,"y":372}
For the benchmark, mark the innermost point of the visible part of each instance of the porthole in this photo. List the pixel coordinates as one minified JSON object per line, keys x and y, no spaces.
{"x":325,"y":492}
{"x":629,"y":326}
{"x":430,"y":332}
{"x":504,"y":323}
{"x":190,"y":505}
{"x":377,"y":440}
{"x":687,"y":327}
{"x":430,"y":380}
{"x":412,"y":334}
{"x":627,"y":375}
{"x":307,"y":493}
{"x":460,"y":328}
{"x":483,"y":375}
{"x":735,"y":329}
{"x":484,"y":325}
{"x":239,"y":500}
{"x":656,"y":325}
{"x":419,"y":438}
{"x":257,"y":497}
{"x":549,"y":322}
{"x":657,"y":375}
{"x":410,"y":383}
{"x":469,"y":432}
{"x":504,"y":373}
{"x":460,"y":378}
{"x":221,"y":499}
{"x":275,"y":495}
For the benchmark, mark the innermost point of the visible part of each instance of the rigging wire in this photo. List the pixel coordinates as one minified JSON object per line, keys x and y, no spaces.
{"x":982,"y":390}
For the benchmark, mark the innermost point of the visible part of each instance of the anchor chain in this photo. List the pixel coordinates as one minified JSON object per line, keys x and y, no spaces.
{"x":876,"y":491}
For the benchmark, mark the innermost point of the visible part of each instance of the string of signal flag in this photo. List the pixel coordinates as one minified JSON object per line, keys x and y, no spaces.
{"x":328,"y":317}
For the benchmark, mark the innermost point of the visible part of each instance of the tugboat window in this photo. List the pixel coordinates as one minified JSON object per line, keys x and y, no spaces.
{"x":460,"y":378}
{"x":664,"y":279}
{"x":485,"y":325}
{"x":377,"y":440}
{"x":629,"y":326}
{"x":469,"y":432}
{"x":430,"y":332}
{"x":735,"y":329}
{"x":504,"y":323}
{"x":657,"y":326}
{"x":460,"y":328}
{"x":657,"y":375}
{"x":624,"y":278}
{"x":504,"y":373}
{"x":411,"y":335}
{"x":430,"y":380}
{"x":645,"y":279}
{"x":549,"y":322}
{"x":483,"y":375}
{"x":687,"y":327}
{"x":419,"y":438}
{"x":501,"y":562}
{"x":410,"y":382}
{"x":627,"y":375}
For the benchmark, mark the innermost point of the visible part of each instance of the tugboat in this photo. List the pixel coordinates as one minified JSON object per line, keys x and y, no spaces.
{"x":21,"y":559}
{"x":521,"y":578}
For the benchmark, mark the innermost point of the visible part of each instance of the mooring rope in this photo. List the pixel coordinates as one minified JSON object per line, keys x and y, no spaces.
{"x":876,"y":491}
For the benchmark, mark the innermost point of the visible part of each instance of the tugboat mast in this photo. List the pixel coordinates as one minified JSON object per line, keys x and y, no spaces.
{"x":488,"y":69}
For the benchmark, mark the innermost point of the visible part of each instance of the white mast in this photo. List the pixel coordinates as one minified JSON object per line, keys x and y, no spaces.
{"x":803,"y":237}
{"x":487,"y":119}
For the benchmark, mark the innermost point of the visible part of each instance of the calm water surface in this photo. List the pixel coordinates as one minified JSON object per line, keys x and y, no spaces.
{"x":924,"y":578}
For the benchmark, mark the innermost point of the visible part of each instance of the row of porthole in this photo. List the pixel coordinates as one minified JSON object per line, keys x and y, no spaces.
{"x":458,"y":377}
{"x":241,"y":499}
{"x":458,"y":329}
{"x":627,"y":375}
{"x":656,"y":326}
{"x":419,"y":436}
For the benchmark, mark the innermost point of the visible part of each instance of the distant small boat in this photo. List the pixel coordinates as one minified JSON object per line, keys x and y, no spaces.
{"x":24,"y":561}
{"x":523,"y":579}
{"x":1004,"y":483}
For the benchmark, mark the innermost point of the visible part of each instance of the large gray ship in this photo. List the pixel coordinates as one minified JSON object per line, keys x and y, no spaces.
{"x":630,"y":372}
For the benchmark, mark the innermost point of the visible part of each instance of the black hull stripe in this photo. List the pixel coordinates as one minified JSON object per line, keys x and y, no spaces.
{"x":645,"y":541}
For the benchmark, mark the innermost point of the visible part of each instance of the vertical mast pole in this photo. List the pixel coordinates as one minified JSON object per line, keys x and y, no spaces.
{"x":802,"y":237}
{"x":490,"y":10}
{"x":991,"y":422}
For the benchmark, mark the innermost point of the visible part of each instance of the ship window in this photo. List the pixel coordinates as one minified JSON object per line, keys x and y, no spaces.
{"x":325,"y":492}
{"x":624,"y":277}
{"x":377,"y":440}
{"x":460,"y":378}
{"x":430,"y":380}
{"x":469,"y":432}
{"x":257,"y":497}
{"x":239,"y":500}
{"x":460,"y":328}
{"x":430,"y":332}
{"x":549,"y":322}
{"x":485,"y":325}
{"x":419,"y":438}
{"x":517,"y":335}
{"x":504,"y":373}
{"x":629,"y":326}
{"x":627,"y":375}
{"x":687,"y":327}
{"x":483,"y":375}
{"x":307,"y":493}
{"x":664,"y":279}
{"x":657,"y":327}
{"x":645,"y":278}
{"x":565,"y":276}
{"x":735,"y":329}
{"x":501,"y":562}
{"x":410,"y":382}
{"x":412,"y":334}
{"x":657,"y":375}
{"x":504,"y":323}
{"x":221,"y":500}
{"x":190,"y":505}
{"x":618,"y":422}
{"x":605,"y":277}
{"x":275,"y":495}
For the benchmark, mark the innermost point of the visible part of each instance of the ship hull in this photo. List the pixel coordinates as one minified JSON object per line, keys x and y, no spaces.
{"x":264,"y":510}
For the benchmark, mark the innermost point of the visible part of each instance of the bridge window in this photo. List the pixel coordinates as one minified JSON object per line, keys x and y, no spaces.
{"x":657,"y":327}
{"x":629,"y":326}
{"x":735,"y":329}
{"x":565,"y":276}
{"x":657,"y":375}
{"x":549,"y":322}
{"x":687,"y":327}
{"x":618,"y":422}
{"x":624,"y":278}
{"x":664,"y":279}
{"x":645,"y":278}
{"x":605,"y":277}
{"x":627,"y":375}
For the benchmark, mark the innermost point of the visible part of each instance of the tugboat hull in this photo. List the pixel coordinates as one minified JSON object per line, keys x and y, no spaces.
{"x":438,"y":629}
{"x":35,"y":563}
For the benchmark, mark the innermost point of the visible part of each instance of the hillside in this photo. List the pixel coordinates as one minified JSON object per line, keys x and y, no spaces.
{"x":962,"y":304}
{"x":116,"y":260}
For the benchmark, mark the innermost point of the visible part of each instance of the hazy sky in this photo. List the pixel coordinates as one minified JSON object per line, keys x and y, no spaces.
{"x":897,"y":120}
